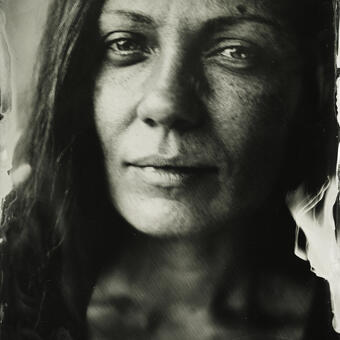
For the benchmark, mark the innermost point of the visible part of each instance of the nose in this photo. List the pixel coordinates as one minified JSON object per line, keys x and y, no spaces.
{"x":170,"y":99}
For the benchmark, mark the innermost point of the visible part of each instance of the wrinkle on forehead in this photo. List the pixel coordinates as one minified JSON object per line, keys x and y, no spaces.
{"x":165,"y":10}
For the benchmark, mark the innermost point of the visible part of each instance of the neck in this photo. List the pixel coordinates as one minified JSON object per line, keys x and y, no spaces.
{"x":189,"y":252}
{"x":186,"y":279}
{"x":185,"y":263}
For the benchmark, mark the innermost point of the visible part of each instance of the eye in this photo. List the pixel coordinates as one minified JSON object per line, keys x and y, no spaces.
{"x":125,"y":48}
{"x":235,"y":54}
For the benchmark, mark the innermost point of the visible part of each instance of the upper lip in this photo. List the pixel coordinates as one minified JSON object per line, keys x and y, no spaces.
{"x":157,"y":161}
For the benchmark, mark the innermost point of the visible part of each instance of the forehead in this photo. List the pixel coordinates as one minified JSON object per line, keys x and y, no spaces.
{"x":192,"y":12}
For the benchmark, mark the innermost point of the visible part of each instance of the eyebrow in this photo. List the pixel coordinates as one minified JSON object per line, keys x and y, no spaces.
{"x":211,"y":25}
{"x":135,"y":17}
{"x":218,"y":23}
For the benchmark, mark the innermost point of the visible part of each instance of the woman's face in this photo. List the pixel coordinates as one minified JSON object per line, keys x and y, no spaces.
{"x":192,"y":106}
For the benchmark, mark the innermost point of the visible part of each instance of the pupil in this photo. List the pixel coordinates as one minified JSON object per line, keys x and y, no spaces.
{"x":238,"y":54}
{"x":126,"y":46}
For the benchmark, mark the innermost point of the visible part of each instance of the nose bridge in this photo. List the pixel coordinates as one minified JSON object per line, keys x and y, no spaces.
{"x":168,"y":94}
{"x":169,"y":75}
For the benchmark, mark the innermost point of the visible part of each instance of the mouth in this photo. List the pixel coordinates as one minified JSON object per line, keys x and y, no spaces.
{"x":170,"y":175}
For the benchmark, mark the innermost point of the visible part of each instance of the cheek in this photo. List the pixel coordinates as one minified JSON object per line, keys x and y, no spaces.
{"x":249,"y":103}
{"x":115,"y":97}
{"x":251,"y":117}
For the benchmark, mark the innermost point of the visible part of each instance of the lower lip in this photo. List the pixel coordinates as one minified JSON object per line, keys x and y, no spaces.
{"x":164,"y":177}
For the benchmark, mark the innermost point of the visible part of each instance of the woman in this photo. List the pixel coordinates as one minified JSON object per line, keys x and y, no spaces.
{"x":164,"y":138}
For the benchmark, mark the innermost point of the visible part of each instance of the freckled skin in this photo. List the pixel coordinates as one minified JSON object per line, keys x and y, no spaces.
{"x":225,"y":95}
{"x":205,"y":107}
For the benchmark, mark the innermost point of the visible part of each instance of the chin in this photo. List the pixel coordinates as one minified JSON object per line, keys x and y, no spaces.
{"x":162,"y":217}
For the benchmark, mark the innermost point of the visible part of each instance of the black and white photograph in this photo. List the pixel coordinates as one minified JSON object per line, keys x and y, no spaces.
{"x":169,"y":170}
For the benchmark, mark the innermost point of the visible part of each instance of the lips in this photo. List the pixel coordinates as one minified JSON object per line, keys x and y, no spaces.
{"x":163,"y":172}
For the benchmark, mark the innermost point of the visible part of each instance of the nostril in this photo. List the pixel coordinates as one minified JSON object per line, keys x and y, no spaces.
{"x":150,"y":122}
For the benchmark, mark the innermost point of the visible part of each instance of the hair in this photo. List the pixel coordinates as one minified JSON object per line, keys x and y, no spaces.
{"x":55,"y":222}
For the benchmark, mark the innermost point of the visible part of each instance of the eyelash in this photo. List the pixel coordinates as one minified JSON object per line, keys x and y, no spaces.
{"x":136,"y":50}
{"x":243,"y":53}
{"x":229,"y":52}
{"x":121,"y":41}
{"x":235,"y":53}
